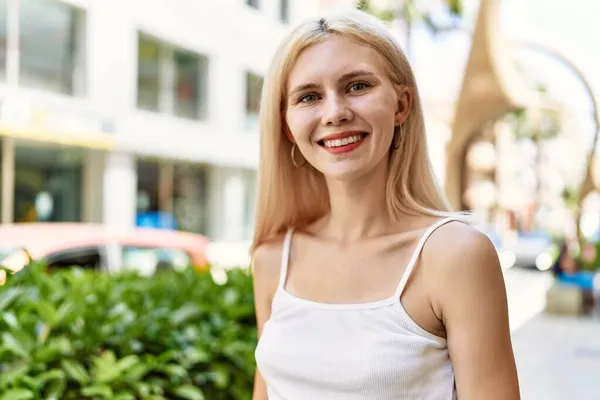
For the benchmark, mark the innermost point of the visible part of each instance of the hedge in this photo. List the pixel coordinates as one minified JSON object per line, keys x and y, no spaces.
{"x":76,"y":334}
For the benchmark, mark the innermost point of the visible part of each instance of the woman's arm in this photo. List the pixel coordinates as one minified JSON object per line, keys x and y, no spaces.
{"x":265,"y":273}
{"x":471,"y":296}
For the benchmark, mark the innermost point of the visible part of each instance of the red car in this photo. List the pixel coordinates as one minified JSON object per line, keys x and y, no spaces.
{"x":99,"y":247}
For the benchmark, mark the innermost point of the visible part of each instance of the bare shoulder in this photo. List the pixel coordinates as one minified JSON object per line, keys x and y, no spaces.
{"x":463,"y":266}
{"x":266,"y":265}
{"x":457,"y":246}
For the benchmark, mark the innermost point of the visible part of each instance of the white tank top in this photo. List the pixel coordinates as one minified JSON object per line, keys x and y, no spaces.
{"x":368,"y":351}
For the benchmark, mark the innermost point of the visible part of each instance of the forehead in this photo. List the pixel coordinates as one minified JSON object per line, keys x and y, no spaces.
{"x":333,"y":57}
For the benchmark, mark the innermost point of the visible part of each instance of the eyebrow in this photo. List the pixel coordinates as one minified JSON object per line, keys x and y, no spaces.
{"x":345,"y":77}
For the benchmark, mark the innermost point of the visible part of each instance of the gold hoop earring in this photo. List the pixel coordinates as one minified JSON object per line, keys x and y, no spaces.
{"x":293,"y":155}
{"x":396,"y":142}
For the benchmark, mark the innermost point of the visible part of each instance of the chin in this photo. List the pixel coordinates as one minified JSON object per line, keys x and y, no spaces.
{"x":345,"y":173}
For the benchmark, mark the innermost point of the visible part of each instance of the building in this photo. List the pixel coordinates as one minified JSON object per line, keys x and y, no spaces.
{"x":134,"y":111}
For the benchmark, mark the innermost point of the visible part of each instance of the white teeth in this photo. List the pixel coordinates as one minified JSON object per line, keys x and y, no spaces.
{"x":342,"y":142}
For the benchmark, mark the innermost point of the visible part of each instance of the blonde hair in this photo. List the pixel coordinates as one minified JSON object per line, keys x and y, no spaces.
{"x":290,"y":196}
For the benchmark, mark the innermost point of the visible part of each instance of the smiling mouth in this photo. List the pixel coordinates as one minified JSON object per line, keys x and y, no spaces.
{"x":343,"y":145}
{"x":338,"y":143}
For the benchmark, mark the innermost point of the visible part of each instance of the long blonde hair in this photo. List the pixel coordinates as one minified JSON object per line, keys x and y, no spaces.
{"x":290,"y":196}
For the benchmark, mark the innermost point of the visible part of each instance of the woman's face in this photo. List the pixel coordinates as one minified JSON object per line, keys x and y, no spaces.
{"x":342,"y":108}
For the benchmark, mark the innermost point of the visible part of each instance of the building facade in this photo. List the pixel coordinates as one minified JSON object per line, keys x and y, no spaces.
{"x":135,"y":112}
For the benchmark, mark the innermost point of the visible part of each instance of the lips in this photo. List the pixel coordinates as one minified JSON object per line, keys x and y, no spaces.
{"x":342,"y":142}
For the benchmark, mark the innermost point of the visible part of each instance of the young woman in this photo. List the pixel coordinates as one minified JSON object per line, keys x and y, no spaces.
{"x":366,"y":287}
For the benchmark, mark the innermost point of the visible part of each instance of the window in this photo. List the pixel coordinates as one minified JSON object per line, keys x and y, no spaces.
{"x":85,"y":257}
{"x":171,"y":80}
{"x":51,"y":46}
{"x":190,"y":198}
{"x":48,"y":184}
{"x":148,"y":260}
{"x":253,"y":3}
{"x":189,"y":70}
{"x":254,"y":84}
{"x":284,"y":10}
{"x":148,"y":74}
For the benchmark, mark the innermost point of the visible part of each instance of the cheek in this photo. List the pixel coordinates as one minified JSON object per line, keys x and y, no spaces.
{"x":300,"y":124}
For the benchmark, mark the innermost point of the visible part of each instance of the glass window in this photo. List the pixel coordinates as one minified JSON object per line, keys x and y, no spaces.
{"x":284,"y":10}
{"x":170,"y":80}
{"x":85,"y":257}
{"x":148,"y":260}
{"x":48,"y":184}
{"x":189,"y":198}
{"x":3,"y":39}
{"x":51,"y":41}
{"x":254,"y":84}
{"x":147,"y":186}
{"x":253,"y":3}
{"x":148,"y":74}
{"x":186,"y":86}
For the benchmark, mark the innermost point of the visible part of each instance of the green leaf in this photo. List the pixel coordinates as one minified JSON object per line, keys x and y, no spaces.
{"x":11,"y":319}
{"x":175,"y":371}
{"x":189,"y":392}
{"x":75,"y":371}
{"x":185,"y":313}
{"x":136,"y":373}
{"x":124,"y":396}
{"x":18,"y":394}
{"x":105,"y":367}
{"x":103,"y":391}
{"x":65,"y":311}
{"x":8,"y":296}
{"x":126,"y":363}
{"x":52,"y":375}
{"x":220,"y":375}
{"x":18,"y":347}
{"x":56,"y":390}
{"x":13,"y":373}
{"x":47,"y":312}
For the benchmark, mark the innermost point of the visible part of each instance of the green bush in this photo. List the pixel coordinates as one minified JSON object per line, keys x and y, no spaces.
{"x":77,"y":334}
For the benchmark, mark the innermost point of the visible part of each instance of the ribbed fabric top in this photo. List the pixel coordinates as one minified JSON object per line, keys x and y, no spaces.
{"x":367,"y":351}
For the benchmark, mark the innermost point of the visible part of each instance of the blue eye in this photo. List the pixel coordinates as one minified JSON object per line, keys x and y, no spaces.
{"x":307,"y":98}
{"x":358,"y":86}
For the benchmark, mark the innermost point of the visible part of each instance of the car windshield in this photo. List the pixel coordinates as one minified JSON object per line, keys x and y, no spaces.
{"x":6,"y":251}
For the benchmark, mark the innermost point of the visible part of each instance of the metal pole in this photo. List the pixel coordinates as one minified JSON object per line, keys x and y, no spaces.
{"x":12,"y":80}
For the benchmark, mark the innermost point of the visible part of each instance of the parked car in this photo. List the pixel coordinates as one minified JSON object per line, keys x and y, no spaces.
{"x":531,"y":249}
{"x":99,"y":247}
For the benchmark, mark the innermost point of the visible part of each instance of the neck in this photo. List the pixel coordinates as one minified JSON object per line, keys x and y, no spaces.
{"x":358,"y":208}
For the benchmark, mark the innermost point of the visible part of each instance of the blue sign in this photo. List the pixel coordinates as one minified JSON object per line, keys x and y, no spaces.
{"x":156,"y":219}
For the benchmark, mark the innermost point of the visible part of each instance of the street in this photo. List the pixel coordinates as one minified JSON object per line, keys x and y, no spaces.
{"x":558,"y":357}
{"x":526,"y":291}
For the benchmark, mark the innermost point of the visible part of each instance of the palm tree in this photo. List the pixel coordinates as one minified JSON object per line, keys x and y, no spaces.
{"x":412,"y":13}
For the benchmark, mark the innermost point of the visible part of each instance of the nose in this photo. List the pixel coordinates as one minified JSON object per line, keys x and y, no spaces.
{"x":336,"y":111}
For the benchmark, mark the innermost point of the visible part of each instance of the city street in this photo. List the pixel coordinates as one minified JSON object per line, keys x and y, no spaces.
{"x":558,"y":357}
{"x":526,"y":291}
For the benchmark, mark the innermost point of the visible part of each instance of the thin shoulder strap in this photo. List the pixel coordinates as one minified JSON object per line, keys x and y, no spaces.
{"x":417,"y":253}
{"x":285,"y":256}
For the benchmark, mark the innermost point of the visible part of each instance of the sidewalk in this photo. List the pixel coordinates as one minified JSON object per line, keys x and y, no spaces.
{"x":558,"y":358}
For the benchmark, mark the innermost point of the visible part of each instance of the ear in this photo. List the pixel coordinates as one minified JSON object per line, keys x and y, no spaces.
{"x":404,"y":101}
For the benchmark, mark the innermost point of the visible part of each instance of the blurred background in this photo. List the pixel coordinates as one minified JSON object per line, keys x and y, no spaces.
{"x":125,"y":114}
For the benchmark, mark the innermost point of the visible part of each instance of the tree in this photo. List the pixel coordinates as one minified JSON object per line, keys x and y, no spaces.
{"x":412,"y":13}
{"x":537,"y":125}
